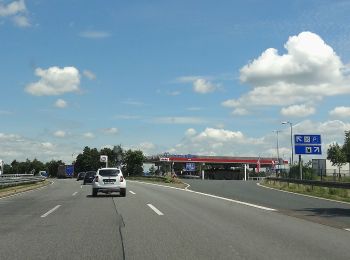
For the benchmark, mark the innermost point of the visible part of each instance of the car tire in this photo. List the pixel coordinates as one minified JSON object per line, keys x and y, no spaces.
{"x":94,"y":192}
{"x":122,"y":192}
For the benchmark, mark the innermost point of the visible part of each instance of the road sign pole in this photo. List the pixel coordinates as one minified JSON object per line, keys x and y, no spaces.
{"x":300,"y":168}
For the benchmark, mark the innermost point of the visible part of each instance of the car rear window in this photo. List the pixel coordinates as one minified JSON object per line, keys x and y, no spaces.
{"x":88,"y":174}
{"x":109,"y":172}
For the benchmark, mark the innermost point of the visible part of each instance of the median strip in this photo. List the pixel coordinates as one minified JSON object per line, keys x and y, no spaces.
{"x":155,"y":209}
{"x":50,"y":211}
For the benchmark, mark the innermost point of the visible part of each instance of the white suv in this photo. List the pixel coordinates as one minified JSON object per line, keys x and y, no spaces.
{"x":109,"y":180}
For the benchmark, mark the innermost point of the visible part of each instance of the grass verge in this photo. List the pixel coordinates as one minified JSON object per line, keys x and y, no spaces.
{"x":322,"y":192}
{"x":168,"y":181}
{"x":5,"y":192}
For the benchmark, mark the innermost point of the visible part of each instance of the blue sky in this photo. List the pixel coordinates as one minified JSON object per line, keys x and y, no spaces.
{"x":200,"y":77}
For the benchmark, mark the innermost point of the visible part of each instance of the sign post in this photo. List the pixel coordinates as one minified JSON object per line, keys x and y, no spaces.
{"x":307,"y":145}
{"x":104,"y":158}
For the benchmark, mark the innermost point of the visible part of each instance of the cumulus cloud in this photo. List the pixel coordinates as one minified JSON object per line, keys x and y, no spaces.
{"x":89,"y":74}
{"x":95,"y":34}
{"x":55,"y":81}
{"x":60,"y":103}
{"x":60,"y":133}
{"x":111,"y":131}
{"x":17,"y":147}
{"x":190,"y":132}
{"x":240,"y":111}
{"x":17,"y":11}
{"x":340,"y":112}
{"x":203,"y":86}
{"x":89,"y":135}
{"x":298,"y":111}
{"x":309,"y":71}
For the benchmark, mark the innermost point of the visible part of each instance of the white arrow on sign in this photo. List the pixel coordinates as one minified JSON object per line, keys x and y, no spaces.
{"x":299,"y":138}
{"x":316,"y":149}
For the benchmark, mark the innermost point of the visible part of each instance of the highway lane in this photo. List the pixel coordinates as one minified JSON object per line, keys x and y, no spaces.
{"x":325,"y":212}
{"x":190,"y":226}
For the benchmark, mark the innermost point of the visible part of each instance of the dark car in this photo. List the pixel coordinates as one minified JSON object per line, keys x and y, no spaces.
{"x":80,"y":176}
{"x":89,"y":177}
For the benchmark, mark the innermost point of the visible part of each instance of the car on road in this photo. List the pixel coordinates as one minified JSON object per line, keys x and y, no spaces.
{"x":108,"y":180}
{"x":89,"y":177}
{"x":80,"y":176}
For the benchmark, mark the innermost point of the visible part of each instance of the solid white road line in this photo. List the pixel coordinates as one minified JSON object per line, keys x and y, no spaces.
{"x":132,"y":192}
{"x":75,"y":193}
{"x":155,"y":209}
{"x":210,"y":195}
{"x":347,"y":229}
{"x":50,"y":211}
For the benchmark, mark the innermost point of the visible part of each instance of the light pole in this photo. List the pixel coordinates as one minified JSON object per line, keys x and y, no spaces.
{"x":291,"y":139}
{"x":278,"y":152}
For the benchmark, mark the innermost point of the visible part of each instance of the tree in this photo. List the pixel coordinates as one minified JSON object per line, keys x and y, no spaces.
{"x":336,"y":155}
{"x":133,"y":162}
{"x":52,"y":167}
{"x":346,"y":146}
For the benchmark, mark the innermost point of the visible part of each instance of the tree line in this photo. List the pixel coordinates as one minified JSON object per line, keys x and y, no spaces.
{"x":131,"y":162}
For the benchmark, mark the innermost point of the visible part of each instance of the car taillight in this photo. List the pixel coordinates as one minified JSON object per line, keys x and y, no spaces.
{"x":96,"y":178}
{"x":121,"y":178}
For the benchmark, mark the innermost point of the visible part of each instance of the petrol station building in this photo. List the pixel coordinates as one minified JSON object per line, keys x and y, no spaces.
{"x":215,"y":167}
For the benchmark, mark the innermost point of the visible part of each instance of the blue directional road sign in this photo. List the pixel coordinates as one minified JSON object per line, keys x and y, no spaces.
{"x":308,"y":149}
{"x":307,"y":139}
{"x":190,"y":167}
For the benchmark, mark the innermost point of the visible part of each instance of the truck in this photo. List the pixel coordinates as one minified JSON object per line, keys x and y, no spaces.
{"x":65,"y":171}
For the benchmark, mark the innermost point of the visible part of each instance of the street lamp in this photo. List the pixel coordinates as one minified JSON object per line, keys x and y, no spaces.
{"x":278,"y":153}
{"x":291,"y":139}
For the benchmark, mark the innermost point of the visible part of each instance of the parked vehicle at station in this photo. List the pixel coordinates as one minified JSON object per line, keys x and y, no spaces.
{"x":108,"y":180}
{"x":89,"y":177}
{"x":80,"y":176}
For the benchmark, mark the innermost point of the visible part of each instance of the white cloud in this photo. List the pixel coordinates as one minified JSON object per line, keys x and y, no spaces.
{"x":308,"y":72}
{"x":188,"y":79}
{"x":55,"y":81}
{"x":203,"y":86}
{"x":298,"y":111}
{"x":240,"y":111}
{"x":60,"y":133}
{"x":111,"y":131}
{"x":60,"y":103}
{"x":21,"y":21}
{"x":178,"y":120}
{"x":16,"y":147}
{"x":12,"y":8}
{"x":89,"y":74}
{"x":190,"y":132}
{"x":95,"y":34}
{"x":17,"y":11}
{"x":340,"y":112}
{"x":88,"y":135}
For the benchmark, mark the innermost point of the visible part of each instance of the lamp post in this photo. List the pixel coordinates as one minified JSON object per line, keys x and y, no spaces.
{"x":278,"y":153}
{"x":291,"y":139}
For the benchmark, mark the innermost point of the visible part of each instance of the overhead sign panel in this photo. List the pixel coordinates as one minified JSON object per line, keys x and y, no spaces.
{"x":308,"y":149}
{"x":307,"y":139}
{"x":190,"y":167}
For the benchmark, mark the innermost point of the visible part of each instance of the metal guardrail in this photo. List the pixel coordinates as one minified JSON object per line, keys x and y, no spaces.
{"x":10,"y":180}
{"x":329,"y":184}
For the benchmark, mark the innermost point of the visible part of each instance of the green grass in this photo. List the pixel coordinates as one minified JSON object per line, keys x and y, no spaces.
{"x":166,"y":180}
{"x":21,"y":188}
{"x":323,"y":192}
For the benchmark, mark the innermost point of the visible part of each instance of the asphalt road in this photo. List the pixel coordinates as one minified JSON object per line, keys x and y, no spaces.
{"x":335,"y":214}
{"x":62,"y":221}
